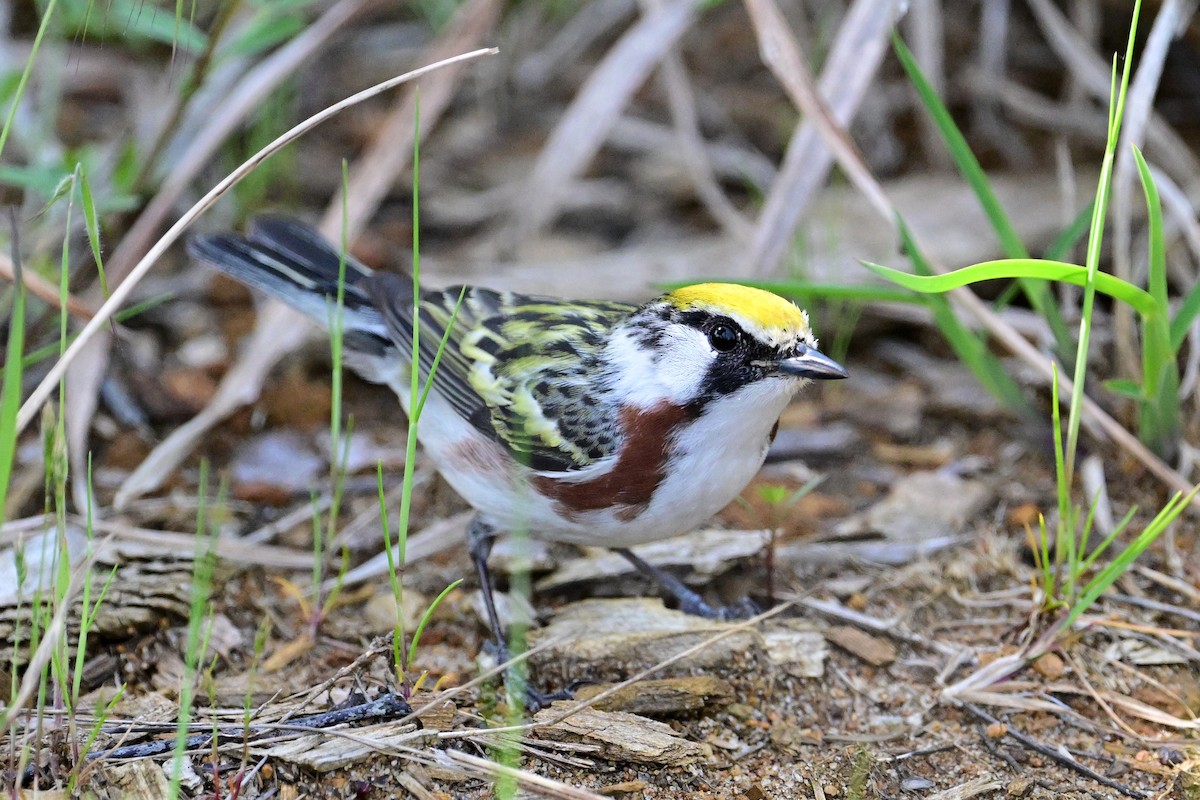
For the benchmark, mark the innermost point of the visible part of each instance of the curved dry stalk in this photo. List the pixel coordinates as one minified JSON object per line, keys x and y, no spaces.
{"x":781,"y":52}
{"x":278,"y":329}
{"x":42,"y":391}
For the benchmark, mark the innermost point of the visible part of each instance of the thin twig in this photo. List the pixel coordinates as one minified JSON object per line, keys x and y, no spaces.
{"x":1054,"y":754}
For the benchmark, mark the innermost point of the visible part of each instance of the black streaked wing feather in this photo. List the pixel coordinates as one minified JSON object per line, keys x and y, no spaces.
{"x":508,"y":354}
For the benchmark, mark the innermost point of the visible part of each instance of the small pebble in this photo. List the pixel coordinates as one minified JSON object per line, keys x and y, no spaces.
{"x":915,"y":784}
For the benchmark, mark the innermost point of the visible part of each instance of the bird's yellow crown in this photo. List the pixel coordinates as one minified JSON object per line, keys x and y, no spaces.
{"x":769,"y":313}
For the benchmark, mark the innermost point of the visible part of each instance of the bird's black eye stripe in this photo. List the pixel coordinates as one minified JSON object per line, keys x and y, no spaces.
{"x":724,"y":337}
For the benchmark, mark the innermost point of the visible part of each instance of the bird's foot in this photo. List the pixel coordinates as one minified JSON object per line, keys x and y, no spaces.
{"x":742,"y":609}
{"x":517,"y":684}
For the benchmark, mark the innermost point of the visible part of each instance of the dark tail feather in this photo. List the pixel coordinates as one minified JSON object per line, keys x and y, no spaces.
{"x":291,"y":261}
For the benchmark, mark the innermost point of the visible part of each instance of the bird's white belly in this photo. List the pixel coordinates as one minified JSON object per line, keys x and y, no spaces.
{"x":712,"y":460}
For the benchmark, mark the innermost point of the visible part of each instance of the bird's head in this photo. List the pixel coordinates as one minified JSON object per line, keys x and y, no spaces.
{"x":711,"y":339}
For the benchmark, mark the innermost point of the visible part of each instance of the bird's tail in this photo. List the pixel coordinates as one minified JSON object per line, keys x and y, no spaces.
{"x":290,"y":260}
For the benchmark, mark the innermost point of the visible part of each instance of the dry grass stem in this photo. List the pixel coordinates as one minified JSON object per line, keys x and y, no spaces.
{"x":529,"y":780}
{"x":43,"y":290}
{"x":857,"y":52}
{"x":585,"y":124}
{"x":781,"y":52}
{"x":374,"y":172}
{"x":686,"y":118}
{"x":245,"y":99}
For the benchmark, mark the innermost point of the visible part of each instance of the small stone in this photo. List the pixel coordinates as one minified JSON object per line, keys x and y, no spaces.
{"x":740,"y":711}
{"x":796,"y":647}
{"x":1050,"y":666}
{"x":857,"y":601}
{"x":915,"y":784}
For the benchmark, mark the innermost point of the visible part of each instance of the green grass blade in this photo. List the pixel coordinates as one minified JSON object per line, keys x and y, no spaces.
{"x":1120,"y":89}
{"x":1139,"y":299}
{"x":960,"y":151}
{"x":1158,"y":425}
{"x":10,"y":392}
{"x":1114,"y":569}
{"x":47,"y":15}
{"x":1185,"y":317}
{"x":92,"y":224}
{"x":967,"y":346}
{"x":972,"y":172}
{"x":426,"y":617}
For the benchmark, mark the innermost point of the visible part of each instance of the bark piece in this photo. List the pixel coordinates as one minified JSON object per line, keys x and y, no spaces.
{"x":619,"y":736}
{"x":663,"y":697}
{"x":797,"y":647}
{"x":636,"y":633}
{"x":325,"y":752}
{"x":871,"y":649}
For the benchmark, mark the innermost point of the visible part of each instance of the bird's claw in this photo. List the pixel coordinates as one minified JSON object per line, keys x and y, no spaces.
{"x":742,"y":609}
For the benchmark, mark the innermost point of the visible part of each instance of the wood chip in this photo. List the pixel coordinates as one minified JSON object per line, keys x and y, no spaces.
{"x":439,"y":716}
{"x":663,"y":697}
{"x":326,"y":752}
{"x":137,"y":779}
{"x":620,"y":736}
{"x":871,"y":649}
{"x":636,"y":633}
{"x":797,"y":647}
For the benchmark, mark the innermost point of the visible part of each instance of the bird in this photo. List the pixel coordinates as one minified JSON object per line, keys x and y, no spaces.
{"x":590,"y":422}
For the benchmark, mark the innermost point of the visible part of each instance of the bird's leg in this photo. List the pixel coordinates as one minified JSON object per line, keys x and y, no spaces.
{"x":689,"y":601}
{"x":480,"y":538}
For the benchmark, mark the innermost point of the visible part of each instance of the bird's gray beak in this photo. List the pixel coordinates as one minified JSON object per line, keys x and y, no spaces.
{"x":812,"y":363}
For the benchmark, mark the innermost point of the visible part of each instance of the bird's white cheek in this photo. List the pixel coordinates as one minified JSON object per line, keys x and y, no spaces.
{"x":683,"y":363}
{"x":644,"y":378}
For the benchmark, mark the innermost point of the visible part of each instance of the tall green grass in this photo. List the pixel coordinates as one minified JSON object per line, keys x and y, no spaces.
{"x":1070,"y":575}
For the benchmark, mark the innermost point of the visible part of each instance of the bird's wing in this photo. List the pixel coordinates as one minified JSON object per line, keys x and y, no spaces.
{"x":519,"y":368}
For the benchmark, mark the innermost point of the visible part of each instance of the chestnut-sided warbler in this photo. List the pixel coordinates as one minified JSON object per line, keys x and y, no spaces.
{"x":591,"y":422}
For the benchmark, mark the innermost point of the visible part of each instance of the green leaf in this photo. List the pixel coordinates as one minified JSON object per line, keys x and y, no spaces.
{"x":10,"y":392}
{"x":1185,"y":317}
{"x":93,"y":226}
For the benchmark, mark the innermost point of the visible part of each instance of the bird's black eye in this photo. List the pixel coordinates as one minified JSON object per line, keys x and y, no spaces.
{"x":724,"y":338}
